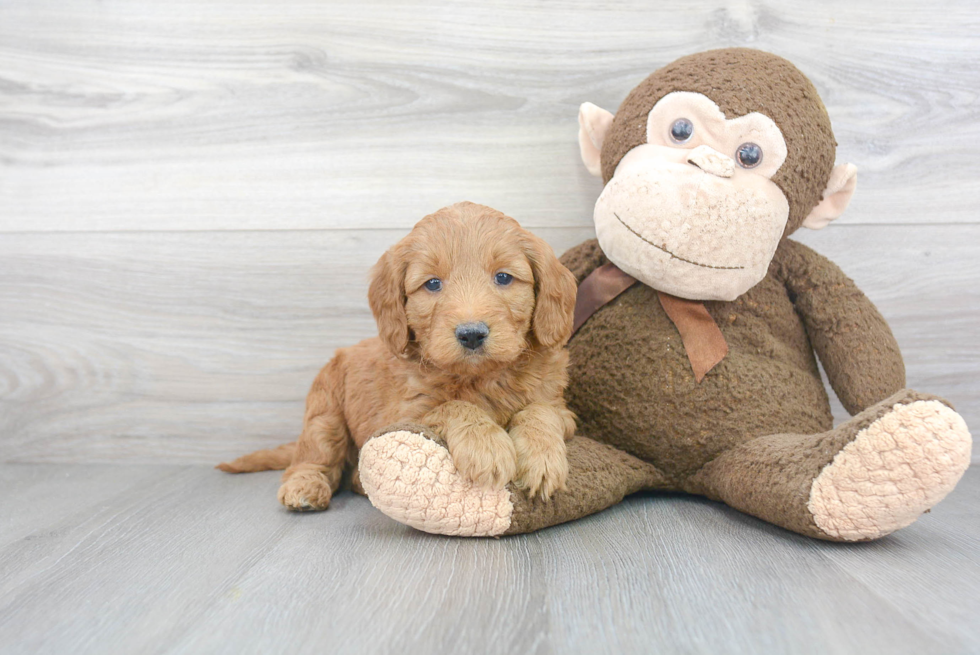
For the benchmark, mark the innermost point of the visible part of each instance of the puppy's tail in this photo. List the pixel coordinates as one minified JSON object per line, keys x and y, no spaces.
{"x":274,"y":459}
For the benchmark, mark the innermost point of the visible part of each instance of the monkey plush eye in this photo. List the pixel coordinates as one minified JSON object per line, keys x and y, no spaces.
{"x":503,"y":279}
{"x":435,"y":284}
{"x":748,"y":155}
{"x":681,"y":131}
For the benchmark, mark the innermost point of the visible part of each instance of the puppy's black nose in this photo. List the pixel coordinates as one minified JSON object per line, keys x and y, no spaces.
{"x":472,"y":335}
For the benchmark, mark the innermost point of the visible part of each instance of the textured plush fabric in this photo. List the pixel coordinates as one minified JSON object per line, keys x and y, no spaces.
{"x":852,"y":339}
{"x":867,"y":492}
{"x":741,"y":81}
{"x":632,"y":385}
{"x":771,"y":477}
{"x":862,"y":480}
{"x":409,"y":475}
{"x":598,"y":477}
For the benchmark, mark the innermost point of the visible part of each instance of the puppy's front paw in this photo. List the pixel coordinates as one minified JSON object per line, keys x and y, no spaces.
{"x":305,"y":489}
{"x":541,"y":469}
{"x":485,"y":455}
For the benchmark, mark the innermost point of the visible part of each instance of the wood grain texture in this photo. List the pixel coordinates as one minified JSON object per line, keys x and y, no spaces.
{"x":191,"y":193}
{"x":250,"y":114}
{"x":189,"y":560}
{"x":193,"y":347}
{"x":175,"y":346}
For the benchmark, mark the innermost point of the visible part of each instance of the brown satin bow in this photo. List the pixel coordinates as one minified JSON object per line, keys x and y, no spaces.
{"x":703,"y":341}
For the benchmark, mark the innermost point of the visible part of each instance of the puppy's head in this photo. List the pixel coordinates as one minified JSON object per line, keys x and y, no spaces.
{"x":469,"y":289}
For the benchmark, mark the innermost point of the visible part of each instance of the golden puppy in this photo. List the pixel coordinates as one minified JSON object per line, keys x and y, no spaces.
{"x":473,"y":314}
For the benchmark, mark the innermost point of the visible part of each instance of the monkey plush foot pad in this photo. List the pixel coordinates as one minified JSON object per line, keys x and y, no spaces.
{"x":413,"y":480}
{"x":895,"y":469}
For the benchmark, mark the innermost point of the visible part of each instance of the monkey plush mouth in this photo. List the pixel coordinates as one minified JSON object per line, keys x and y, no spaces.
{"x":672,"y":255}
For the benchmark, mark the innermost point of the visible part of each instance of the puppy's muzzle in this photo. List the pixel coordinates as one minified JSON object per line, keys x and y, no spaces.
{"x":472,"y":335}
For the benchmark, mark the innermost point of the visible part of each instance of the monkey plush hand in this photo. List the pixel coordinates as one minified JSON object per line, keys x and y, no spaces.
{"x":699,"y":323}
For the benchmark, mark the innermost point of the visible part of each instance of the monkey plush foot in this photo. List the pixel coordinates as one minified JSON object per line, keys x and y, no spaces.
{"x":895,"y":469}
{"x":409,"y":475}
{"x":412,"y":478}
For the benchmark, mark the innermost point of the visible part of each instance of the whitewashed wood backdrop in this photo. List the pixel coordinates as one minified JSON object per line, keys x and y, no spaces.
{"x":191,"y":192}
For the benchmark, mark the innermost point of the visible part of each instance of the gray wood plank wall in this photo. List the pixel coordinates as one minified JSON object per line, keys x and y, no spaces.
{"x":191,"y":192}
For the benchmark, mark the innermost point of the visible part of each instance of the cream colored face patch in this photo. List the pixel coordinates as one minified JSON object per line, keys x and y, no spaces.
{"x":709,"y":126}
{"x":689,"y":232}
{"x":694,"y":211}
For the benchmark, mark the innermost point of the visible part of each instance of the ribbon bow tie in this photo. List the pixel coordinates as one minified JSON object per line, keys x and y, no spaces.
{"x":703,"y":341}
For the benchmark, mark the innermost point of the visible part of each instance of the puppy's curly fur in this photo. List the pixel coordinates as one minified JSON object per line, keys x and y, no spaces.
{"x":499,"y":407}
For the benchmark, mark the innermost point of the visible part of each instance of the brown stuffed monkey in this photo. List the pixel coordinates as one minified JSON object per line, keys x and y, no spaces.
{"x":699,"y":323}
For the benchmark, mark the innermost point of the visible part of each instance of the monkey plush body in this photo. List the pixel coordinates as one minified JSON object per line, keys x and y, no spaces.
{"x":767,"y":383}
{"x":694,"y":365}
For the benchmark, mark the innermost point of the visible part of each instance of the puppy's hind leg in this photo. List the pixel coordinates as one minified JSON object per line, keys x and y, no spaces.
{"x":322,"y":448}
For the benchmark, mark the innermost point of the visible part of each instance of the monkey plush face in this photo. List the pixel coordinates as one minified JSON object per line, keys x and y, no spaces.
{"x":707,"y":169}
{"x":694,"y":207}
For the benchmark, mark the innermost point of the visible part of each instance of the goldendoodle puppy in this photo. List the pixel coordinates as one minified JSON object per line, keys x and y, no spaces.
{"x":473,"y":314}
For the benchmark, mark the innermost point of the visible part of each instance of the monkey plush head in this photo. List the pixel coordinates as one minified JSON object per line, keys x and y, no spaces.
{"x":708,"y":164}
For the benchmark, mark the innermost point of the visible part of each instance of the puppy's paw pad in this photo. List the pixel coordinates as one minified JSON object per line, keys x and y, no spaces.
{"x":543,"y":475}
{"x":305,"y":491}
{"x":895,"y":469}
{"x":414,"y":480}
{"x":542,"y":464}
{"x":488,"y":460}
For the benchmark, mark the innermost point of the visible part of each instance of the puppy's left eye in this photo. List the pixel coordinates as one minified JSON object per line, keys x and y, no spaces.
{"x":435,"y":284}
{"x":503,"y":279}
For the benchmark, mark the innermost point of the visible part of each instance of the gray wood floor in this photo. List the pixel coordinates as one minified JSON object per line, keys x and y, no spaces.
{"x":153,"y":559}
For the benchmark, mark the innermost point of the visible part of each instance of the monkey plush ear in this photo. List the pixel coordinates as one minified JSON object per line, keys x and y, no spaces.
{"x":840,"y":188}
{"x":593,"y":123}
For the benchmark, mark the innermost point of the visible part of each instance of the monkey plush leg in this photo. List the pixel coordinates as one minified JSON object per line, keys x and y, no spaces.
{"x":864,"y":479}
{"x":409,"y":475}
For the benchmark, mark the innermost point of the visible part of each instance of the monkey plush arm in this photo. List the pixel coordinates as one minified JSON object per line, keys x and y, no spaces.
{"x":583,"y":259}
{"x":849,"y":334}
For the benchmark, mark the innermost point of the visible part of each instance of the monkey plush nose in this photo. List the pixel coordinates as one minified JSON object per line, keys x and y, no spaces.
{"x":711,"y":161}
{"x":472,"y":335}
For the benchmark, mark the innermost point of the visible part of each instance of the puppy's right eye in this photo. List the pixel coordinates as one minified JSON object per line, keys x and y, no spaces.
{"x":503,"y":279}
{"x":435,"y":284}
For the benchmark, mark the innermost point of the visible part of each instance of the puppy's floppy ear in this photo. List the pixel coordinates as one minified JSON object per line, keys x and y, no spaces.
{"x":386,"y":295}
{"x":554,"y":292}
